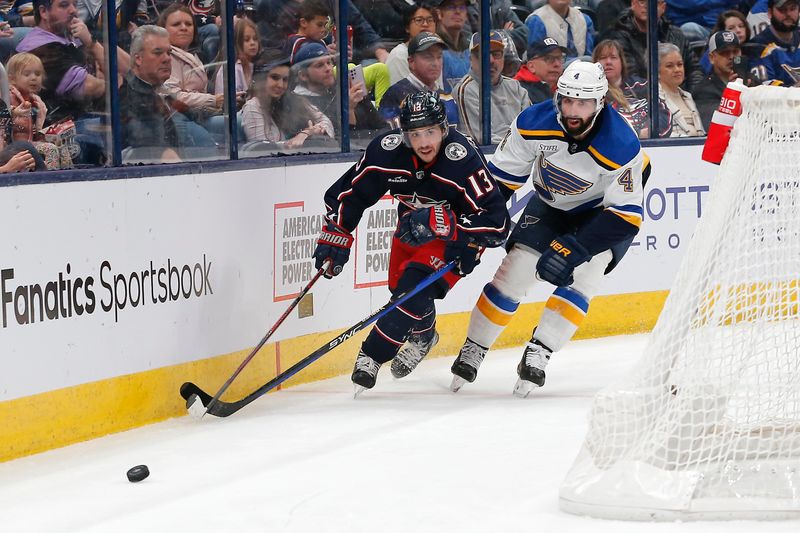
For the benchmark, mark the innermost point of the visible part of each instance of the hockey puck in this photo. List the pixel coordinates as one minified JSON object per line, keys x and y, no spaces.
{"x":138,"y":473}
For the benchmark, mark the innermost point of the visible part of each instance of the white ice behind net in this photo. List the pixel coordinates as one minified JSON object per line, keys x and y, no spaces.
{"x":707,"y":425}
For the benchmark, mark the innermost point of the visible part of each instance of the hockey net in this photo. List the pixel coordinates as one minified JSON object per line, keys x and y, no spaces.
{"x":707,"y":424}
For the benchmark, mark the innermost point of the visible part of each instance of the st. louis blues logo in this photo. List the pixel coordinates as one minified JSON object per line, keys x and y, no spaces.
{"x":554,"y":180}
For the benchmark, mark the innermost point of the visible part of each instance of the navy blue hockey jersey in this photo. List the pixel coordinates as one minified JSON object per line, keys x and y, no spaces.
{"x":457,"y":178}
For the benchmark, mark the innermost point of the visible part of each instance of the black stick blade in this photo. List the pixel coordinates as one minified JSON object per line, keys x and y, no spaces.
{"x":189,"y":389}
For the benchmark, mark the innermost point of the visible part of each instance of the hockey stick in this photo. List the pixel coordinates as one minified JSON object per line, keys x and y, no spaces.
{"x":192,"y":393}
{"x":262,"y":342}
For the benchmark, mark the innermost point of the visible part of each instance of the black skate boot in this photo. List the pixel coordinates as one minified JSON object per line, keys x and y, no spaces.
{"x":413,"y":352}
{"x":531,"y":368}
{"x":365,"y":373}
{"x":465,"y":367}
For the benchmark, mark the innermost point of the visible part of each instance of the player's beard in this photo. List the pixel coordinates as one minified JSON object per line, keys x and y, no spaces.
{"x":781,"y":27}
{"x":578,"y":130}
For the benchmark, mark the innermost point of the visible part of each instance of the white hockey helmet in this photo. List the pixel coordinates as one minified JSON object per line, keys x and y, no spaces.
{"x":582,"y":79}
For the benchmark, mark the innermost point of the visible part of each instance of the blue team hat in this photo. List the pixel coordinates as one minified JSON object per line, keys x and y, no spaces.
{"x":308,"y":52}
{"x":495,"y":38}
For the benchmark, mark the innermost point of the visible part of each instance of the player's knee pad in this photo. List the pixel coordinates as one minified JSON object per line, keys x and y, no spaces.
{"x":517,"y":272}
{"x":588,"y":276}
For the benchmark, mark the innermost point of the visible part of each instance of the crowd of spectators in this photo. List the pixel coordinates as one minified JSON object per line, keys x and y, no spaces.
{"x":173,"y":87}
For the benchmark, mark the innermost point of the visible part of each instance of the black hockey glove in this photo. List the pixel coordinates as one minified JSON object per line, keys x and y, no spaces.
{"x":421,"y":226}
{"x":559,"y":261}
{"x":467,"y":255}
{"x":333,"y":246}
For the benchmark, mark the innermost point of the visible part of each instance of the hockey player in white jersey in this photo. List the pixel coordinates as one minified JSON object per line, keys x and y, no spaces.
{"x":586,"y":166}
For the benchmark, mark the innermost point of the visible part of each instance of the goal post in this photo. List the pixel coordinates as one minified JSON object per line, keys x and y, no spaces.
{"x":707,"y":423}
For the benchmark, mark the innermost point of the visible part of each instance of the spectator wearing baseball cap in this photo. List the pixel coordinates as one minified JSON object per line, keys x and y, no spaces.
{"x":781,"y":56}
{"x":782,"y":31}
{"x":508,"y":96}
{"x":781,"y":41}
{"x":417,"y":19}
{"x":566,"y":24}
{"x":425,"y":61}
{"x":723,"y":46}
{"x":316,"y":81}
{"x":541,"y":72}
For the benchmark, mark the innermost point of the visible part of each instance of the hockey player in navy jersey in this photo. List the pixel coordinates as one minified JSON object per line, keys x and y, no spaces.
{"x":449,"y":208}
{"x":586,"y":166}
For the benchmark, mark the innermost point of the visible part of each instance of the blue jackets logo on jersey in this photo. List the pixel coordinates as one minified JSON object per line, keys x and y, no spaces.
{"x":415,"y":201}
{"x":391,"y":141}
{"x":555,"y":180}
{"x":455,"y":151}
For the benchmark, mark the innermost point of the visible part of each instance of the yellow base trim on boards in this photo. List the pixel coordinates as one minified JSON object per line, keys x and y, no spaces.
{"x":49,"y":420}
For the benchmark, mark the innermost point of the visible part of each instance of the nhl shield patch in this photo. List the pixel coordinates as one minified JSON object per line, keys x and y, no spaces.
{"x":455,"y":151}
{"x":391,"y":141}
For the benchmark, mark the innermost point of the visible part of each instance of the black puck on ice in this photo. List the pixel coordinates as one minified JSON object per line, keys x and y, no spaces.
{"x":138,"y":473}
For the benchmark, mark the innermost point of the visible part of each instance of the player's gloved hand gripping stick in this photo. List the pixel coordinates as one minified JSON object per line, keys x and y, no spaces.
{"x":559,"y":261}
{"x":422,"y":226}
{"x":199,"y":402}
{"x":333,"y":246}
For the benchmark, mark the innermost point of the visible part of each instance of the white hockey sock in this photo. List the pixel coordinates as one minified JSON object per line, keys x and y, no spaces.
{"x":500,"y":299}
{"x":562,"y":316}
{"x":567,"y":306}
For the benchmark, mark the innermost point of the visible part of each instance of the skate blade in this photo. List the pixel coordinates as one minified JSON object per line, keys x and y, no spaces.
{"x":195,"y":406}
{"x":457,"y":383}
{"x":358,"y":390}
{"x":523,"y":388}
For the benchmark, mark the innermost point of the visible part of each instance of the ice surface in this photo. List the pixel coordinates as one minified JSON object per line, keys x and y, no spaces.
{"x":407,"y":456}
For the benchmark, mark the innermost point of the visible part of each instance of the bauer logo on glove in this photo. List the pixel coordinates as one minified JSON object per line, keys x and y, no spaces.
{"x":560,"y":259}
{"x":560,"y":248}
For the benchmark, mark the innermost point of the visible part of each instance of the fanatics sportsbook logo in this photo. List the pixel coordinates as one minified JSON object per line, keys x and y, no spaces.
{"x":68,"y":295}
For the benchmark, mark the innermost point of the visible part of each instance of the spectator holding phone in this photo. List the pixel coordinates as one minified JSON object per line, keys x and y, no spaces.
{"x":316,"y":81}
{"x":723,"y":47}
{"x":735,"y":21}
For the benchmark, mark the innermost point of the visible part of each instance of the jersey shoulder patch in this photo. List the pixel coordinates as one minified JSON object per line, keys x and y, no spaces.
{"x":455,"y":151}
{"x":391,"y":141}
{"x":616,"y":144}
{"x":540,"y":121}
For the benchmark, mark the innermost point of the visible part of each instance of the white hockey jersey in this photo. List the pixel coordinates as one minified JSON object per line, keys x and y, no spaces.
{"x":603,"y":170}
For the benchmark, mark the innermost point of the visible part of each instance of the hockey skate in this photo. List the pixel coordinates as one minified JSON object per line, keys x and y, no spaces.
{"x":413,"y":352}
{"x":531,"y":368}
{"x":365,"y":373}
{"x":465,"y":367}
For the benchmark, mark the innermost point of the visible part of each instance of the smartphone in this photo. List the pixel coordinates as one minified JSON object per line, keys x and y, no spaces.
{"x":740,"y":67}
{"x":349,"y":36}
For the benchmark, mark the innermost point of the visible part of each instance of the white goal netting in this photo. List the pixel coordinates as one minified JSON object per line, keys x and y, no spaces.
{"x":707,"y":424}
